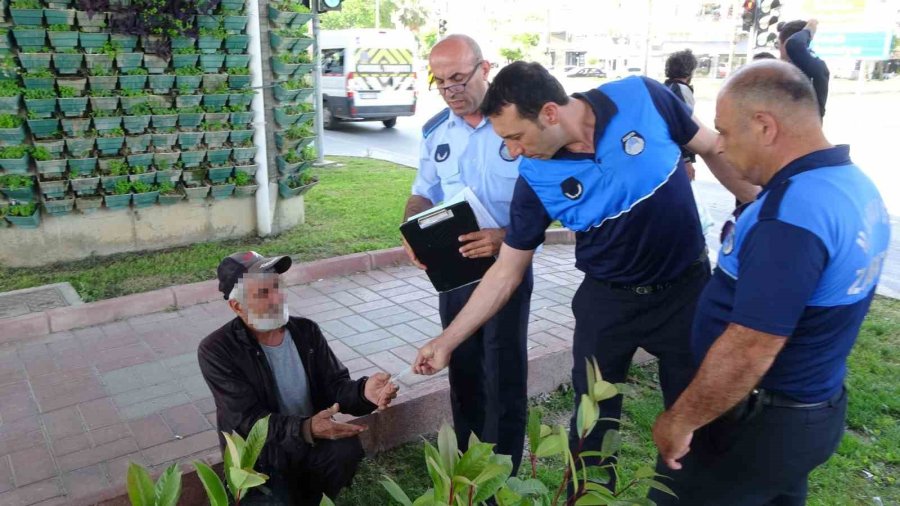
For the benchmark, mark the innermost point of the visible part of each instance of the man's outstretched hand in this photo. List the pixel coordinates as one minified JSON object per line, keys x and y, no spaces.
{"x":379,"y":390}
{"x":323,"y":426}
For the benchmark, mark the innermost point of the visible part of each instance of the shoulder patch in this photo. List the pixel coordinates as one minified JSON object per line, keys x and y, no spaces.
{"x":435,"y":121}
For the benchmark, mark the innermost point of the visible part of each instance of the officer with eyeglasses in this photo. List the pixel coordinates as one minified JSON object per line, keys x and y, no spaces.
{"x":459,"y":149}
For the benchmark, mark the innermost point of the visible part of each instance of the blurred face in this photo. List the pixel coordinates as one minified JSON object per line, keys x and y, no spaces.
{"x":263,"y":308}
{"x":737,"y":138}
{"x":458,"y":77}
{"x":539,"y":139}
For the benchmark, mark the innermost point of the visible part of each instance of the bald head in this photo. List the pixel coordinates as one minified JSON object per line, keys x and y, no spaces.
{"x":775,"y":87}
{"x":459,"y":47}
{"x":767,"y":115}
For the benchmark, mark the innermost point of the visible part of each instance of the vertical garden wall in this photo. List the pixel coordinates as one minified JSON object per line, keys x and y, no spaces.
{"x":130,"y":124}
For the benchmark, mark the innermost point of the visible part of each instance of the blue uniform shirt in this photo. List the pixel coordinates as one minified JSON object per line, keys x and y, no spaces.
{"x":454,"y":155}
{"x":630,"y":203}
{"x":802,"y":262}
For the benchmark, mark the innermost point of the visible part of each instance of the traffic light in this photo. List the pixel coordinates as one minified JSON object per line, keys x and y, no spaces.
{"x":748,"y":15}
{"x":325,"y":5}
{"x":767,"y":14}
{"x":442,"y":26}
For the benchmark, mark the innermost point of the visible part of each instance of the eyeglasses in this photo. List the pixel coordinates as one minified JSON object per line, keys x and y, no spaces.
{"x":453,"y":89}
{"x":728,"y":226}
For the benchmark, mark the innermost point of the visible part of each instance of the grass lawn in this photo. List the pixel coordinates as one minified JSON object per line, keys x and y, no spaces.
{"x":356,"y":207}
{"x":866,"y":465}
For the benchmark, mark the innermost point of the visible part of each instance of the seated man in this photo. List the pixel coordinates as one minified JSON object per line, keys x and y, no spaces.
{"x":265,"y":362}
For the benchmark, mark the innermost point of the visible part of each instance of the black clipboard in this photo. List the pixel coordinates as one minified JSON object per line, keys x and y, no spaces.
{"x":434,"y":238}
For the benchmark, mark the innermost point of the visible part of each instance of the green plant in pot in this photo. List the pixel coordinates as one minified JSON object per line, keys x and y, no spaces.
{"x":14,"y":159}
{"x":17,"y":187}
{"x":12,"y":131}
{"x":24,"y":215}
{"x":144,"y":194}
{"x":10,"y":95}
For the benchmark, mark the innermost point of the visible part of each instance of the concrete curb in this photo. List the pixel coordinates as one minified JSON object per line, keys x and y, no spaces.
{"x":182,"y":296}
{"x":411,"y":415}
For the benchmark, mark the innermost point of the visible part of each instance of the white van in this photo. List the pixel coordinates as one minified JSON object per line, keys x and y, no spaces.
{"x":367,"y":75}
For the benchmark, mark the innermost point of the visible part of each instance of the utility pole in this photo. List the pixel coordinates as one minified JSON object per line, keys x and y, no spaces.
{"x":317,"y":77}
{"x":647,"y":38}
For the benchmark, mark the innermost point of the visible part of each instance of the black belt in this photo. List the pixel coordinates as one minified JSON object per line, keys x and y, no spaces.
{"x":779,"y":400}
{"x":648,"y":289}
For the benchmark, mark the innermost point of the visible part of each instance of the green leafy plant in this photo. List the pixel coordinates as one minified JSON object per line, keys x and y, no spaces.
{"x":103,"y":93}
{"x":297,"y":7}
{"x":40,"y":154}
{"x":303,"y":179}
{"x":292,"y":157}
{"x":141,"y":187}
{"x":68,"y":92}
{"x":292,"y":32}
{"x":167,"y":188}
{"x":16,"y":181}
{"x":138,"y":169}
{"x":141,"y":489}
{"x":25,"y":4}
{"x":298,"y":131}
{"x":218,"y":32}
{"x":243,"y":179}
{"x":39,"y":73}
{"x":33,"y":93}
{"x":13,"y":152}
{"x":188,"y":71}
{"x":299,"y":108}
{"x":123,"y":188}
{"x":161,"y":110}
{"x":302,"y":57}
{"x":296,"y":84}
{"x":141,"y":109}
{"x":478,"y":474}
{"x":115,"y":132}
{"x":59,"y":28}
{"x":133,"y":93}
{"x":110,"y":48}
{"x":9,"y":88}
{"x":117,"y":168}
{"x":240,"y":457}
{"x":139,"y":71}
{"x":22,"y":209}
{"x":220,"y":89}
{"x":214,"y":126}
{"x":239,"y":71}
{"x":309,"y":153}
{"x":10,"y":121}
{"x":185,"y":50}
{"x":194,"y":109}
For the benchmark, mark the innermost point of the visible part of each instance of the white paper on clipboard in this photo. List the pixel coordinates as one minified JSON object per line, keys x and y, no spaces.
{"x":485,"y":220}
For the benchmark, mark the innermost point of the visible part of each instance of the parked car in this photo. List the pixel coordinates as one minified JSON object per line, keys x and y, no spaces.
{"x":588,"y":72}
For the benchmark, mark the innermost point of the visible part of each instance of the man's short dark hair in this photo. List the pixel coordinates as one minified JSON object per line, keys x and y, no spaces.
{"x":772,"y":82}
{"x":526,"y":85}
{"x":786,"y":29}
{"x":765,"y":55}
{"x":681,"y":65}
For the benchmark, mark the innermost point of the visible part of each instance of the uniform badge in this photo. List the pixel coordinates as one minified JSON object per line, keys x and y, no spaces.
{"x":633,"y":143}
{"x":442,"y":153}
{"x":572,"y":188}
{"x":728,"y":243}
{"x":505,"y":154}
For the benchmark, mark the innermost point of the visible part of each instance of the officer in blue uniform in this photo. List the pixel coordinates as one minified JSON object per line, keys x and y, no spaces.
{"x":795,"y":277}
{"x":488,"y":375}
{"x":607,"y":164}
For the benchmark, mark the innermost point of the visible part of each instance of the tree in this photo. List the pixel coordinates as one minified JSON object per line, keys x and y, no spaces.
{"x":410,"y":14}
{"x":427,"y":40}
{"x":511,"y":54}
{"x":358,"y":14}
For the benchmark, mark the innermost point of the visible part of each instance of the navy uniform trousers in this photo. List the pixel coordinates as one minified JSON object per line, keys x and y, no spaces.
{"x":612,"y":321}
{"x":489,"y":373}
{"x":756,"y":455}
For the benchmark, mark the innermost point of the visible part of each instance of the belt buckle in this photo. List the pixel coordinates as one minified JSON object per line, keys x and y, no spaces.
{"x":643,"y":290}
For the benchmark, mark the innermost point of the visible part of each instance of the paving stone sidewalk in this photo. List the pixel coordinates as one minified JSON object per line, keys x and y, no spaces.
{"x":77,"y":406}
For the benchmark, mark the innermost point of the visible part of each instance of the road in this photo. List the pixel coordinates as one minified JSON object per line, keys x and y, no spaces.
{"x":869,"y":122}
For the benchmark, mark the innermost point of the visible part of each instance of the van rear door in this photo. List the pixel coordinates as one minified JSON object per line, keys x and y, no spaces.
{"x":384,"y":77}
